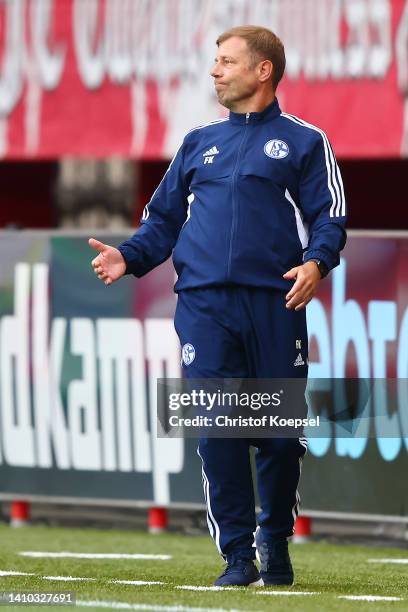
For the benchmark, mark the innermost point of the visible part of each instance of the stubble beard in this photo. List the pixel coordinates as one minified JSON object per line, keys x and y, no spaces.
{"x":231,"y":101}
{"x":223,"y":100}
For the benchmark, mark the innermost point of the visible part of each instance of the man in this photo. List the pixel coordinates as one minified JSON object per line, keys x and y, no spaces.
{"x":253,"y":206}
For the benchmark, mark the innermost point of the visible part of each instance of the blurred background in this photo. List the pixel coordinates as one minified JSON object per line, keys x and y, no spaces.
{"x":95,"y":98}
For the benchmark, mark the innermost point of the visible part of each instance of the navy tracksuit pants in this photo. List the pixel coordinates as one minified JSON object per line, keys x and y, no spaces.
{"x":245,"y":332}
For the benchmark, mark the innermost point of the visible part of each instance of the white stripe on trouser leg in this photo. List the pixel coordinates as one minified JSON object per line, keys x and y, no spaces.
{"x":210,"y":525}
{"x":210,"y":515}
{"x":303,"y":442}
{"x":205,"y":482}
{"x":295,"y":509}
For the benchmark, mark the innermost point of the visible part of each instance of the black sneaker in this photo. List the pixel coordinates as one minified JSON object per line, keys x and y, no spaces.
{"x":239,"y":572}
{"x":273,"y":555}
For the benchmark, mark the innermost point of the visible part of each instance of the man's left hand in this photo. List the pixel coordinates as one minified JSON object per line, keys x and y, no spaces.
{"x":307,"y":278}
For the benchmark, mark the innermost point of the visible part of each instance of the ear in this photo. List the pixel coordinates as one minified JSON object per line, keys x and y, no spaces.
{"x":265,"y":69}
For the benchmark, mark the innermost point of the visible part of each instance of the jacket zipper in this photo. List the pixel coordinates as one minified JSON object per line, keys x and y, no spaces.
{"x":233,"y":189}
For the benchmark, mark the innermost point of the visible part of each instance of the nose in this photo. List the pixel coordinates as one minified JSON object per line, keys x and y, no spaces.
{"x":216,"y":70}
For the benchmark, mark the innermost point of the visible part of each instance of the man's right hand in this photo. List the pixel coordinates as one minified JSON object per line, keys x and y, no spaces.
{"x":109,"y":265}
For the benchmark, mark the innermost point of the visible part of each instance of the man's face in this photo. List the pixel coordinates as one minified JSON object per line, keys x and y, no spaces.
{"x":235,"y":77}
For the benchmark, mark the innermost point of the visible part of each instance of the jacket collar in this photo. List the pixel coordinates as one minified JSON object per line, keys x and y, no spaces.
{"x":268,"y":113}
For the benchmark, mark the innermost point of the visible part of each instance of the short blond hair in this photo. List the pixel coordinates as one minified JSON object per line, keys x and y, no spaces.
{"x":263,"y":44}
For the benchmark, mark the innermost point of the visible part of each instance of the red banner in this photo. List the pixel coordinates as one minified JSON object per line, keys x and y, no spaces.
{"x":124,"y":77}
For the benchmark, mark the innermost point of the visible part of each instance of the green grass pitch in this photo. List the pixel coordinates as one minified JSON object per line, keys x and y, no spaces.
{"x":326,"y":570}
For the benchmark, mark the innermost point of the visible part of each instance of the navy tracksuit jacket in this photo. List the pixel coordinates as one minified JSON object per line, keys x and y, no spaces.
{"x":245,"y":199}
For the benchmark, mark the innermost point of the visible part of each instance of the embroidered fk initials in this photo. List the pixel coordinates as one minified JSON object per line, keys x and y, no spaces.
{"x":210,"y":154}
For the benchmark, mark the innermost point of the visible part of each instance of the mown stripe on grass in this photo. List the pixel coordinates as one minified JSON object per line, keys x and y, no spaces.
{"x":369,"y":598}
{"x":121,"y":605}
{"x":403,"y":561}
{"x":66,"y":554}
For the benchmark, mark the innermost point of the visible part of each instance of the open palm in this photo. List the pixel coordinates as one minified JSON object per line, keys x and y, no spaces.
{"x":109,"y":265}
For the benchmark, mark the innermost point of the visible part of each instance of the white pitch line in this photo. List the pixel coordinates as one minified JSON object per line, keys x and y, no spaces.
{"x":80,"y":579}
{"x":71,"y":555}
{"x":192,"y":587}
{"x":125,"y":606}
{"x":121,"y":605}
{"x":404,"y":561}
{"x":369,"y":598}
{"x":287,"y":593}
{"x":137,"y":582}
{"x":68,"y":578}
{"x":12,"y":573}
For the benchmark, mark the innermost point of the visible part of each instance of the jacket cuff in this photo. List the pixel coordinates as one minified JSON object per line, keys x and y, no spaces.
{"x":324,"y":257}
{"x":128,"y":255}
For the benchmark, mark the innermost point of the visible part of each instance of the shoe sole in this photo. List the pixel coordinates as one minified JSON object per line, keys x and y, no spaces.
{"x":257,"y":583}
